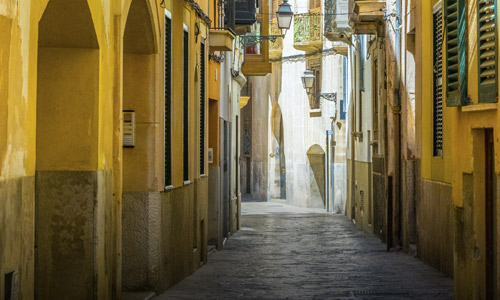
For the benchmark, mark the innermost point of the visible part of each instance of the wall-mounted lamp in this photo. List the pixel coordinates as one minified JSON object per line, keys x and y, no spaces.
{"x":308,"y":83}
{"x":284,"y":16}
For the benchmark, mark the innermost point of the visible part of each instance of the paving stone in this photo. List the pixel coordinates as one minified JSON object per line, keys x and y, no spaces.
{"x":285,"y":252}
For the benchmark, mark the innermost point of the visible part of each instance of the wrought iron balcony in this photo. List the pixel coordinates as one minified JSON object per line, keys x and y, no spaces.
{"x":307,"y":32}
{"x":275,"y":47}
{"x":367,"y":15}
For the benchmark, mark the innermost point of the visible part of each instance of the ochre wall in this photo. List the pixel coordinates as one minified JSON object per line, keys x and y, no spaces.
{"x":67,"y":115}
{"x":141,"y":95}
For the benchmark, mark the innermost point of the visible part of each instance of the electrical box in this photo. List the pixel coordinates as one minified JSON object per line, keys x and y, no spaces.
{"x":128,"y":128}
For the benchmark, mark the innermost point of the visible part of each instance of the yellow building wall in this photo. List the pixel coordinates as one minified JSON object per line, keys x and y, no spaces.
{"x":80,"y":128}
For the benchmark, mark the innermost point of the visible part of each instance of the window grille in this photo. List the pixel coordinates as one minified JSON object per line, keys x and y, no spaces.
{"x":202,"y":108}
{"x":456,"y":52}
{"x":438,"y":83}
{"x":185,"y":109}
{"x":487,"y":50}
{"x":168,"y":104}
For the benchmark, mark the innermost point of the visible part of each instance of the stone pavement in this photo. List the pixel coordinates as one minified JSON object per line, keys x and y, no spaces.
{"x":284,"y":252}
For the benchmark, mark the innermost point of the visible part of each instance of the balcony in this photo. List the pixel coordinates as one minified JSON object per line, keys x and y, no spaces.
{"x":307,"y":32}
{"x":221,"y":39}
{"x":367,"y":16}
{"x":276,"y":47}
{"x":256,"y":61}
{"x":337,"y":27}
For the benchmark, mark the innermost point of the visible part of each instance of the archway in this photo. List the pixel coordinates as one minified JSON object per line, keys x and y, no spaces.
{"x":142,"y":162}
{"x":316,"y":166}
{"x":70,"y":191}
{"x":278,"y":147}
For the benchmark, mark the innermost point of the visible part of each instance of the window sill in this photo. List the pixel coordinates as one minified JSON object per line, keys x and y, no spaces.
{"x":168,"y":188}
{"x":479,"y":107}
{"x":187,"y":182}
{"x":313,"y":113}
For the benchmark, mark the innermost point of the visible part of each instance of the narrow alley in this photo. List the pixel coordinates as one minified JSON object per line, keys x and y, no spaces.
{"x":284,"y":252}
{"x":249,"y":149}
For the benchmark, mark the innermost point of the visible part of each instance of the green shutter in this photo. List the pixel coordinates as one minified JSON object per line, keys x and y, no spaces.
{"x":487,"y":51}
{"x":456,"y":52}
{"x":462,"y":50}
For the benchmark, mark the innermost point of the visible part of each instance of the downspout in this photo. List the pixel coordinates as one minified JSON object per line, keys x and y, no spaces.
{"x":397,"y":122}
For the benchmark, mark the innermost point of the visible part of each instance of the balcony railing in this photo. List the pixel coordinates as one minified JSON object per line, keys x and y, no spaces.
{"x":308,"y":33}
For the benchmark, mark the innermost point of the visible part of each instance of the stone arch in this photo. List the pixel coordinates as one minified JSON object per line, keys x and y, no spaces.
{"x":142,"y":162}
{"x":139,"y":35}
{"x":317,"y":182}
{"x":278,"y":147}
{"x":69,"y":188}
{"x":276,"y":120}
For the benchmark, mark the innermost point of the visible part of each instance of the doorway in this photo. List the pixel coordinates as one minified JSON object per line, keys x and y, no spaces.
{"x":490,"y":216}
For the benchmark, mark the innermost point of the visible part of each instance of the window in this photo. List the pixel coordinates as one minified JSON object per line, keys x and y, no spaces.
{"x":487,"y":50}
{"x":168,"y":99}
{"x":456,"y":52}
{"x":315,"y":5}
{"x":185,"y":108}
{"x":438,"y":81}
{"x":202,"y":108}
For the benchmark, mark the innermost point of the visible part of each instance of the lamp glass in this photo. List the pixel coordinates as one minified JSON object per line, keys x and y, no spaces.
{"x":284,"y":15}
{"x":308,"y":79}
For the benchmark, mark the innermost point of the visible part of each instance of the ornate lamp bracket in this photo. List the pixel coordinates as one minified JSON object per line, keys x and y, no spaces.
{"x":327,"y":96}
{"x":252,"y":40}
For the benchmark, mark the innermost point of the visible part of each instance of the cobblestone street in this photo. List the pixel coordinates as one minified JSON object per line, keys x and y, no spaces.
{"x":283,"y":252}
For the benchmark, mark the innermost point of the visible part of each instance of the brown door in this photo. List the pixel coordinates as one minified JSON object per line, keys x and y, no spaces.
{"x":491,"y":263}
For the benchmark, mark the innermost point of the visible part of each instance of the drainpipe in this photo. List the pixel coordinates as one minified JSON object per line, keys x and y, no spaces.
{"x":397,"y":128}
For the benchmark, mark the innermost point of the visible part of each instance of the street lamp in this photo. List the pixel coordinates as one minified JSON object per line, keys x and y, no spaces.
{"x":308,"y":83}
{"x":284,"y":15}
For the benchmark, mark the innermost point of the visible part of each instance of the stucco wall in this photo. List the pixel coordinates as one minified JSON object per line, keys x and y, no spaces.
{"x":17,"y":252}
{"x":70,"y":233}
{"x":164,"y":236}
{"x":435,"y":223}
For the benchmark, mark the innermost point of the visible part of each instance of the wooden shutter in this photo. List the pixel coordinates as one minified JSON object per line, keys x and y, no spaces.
{"x":202,"y":109}
{"x":438,"y":82}
{"x":168,"y":102}
{"x":185,"y":109}
{"x":452,"y":53}
{"x":487,"y":51}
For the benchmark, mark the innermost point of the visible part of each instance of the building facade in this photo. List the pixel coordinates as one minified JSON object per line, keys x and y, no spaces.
{"x":107,"y":114}
{"x":434,"y":120}
{"x":292,"y":157}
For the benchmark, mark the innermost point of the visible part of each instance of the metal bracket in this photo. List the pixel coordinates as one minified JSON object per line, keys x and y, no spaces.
{"x":251,"y":40}
{"x":327,"y":96}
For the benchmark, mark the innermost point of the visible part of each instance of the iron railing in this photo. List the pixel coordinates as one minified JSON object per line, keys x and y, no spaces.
{"x":307,"y":28}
